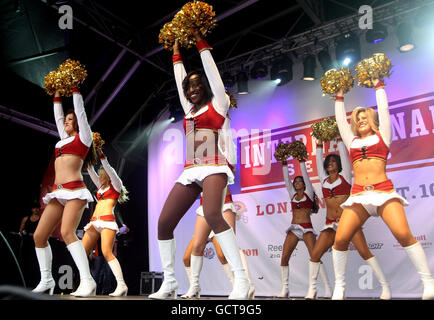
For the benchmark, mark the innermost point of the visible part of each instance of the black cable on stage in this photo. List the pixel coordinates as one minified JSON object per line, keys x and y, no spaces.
{"x":15,"y":259}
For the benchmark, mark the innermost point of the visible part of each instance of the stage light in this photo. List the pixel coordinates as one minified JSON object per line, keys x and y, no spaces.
{"x":281,"y":68}
{"x":277,"y":81}
{"x":228,"y":80}
{"x":325,"y":60}
{"x":172,"y":119}
{"x":309,"y":66}
{"x":348,"y":50}
{"x":405,"y":38}
{"x":259,"y":70}
{"x":242,"y":82}
{"x":377,"y":34}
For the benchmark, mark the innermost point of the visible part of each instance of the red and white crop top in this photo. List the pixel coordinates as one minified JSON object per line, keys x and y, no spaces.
{"x":71,"y":145}
{"x":107,"y":193}
{"x":375,"y":145}
{"x":372,"y":147}
{"x":114,"y":189}
{"x":306,"y":201}
{"x":206,"y":118}
{"x":80,"y":143}
{"x":303,"y":203}
{"x":338,"y":188}
{"x":342,"y":185}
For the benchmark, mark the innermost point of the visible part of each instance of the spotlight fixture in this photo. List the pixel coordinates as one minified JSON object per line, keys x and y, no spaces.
{"x":228,"y":80}
{"x":309,"y":66}
{"x":325,"y":60}
{"x":281,"y":69}
{"x":259,"y":70}
{"x":242,"y":82}
{"x":405,"y":38}
{"x":348,"y":50}
{"x":377,"y":34}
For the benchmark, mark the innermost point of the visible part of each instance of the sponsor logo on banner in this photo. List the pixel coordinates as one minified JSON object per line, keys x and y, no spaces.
{"x":241,"y":211}
{"x":274,"y":251}
{"x":412,"y":121}
{"x":209,"y":253}
{"x":251,"y":252}
{"x":371,"y":246}
{"x":424,"y":241}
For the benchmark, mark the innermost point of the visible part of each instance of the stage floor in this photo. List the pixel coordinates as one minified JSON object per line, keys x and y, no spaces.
{"x":208,"y":298}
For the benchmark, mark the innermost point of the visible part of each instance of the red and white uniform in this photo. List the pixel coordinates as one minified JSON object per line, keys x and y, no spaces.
{"x":213,"y":117}
{"x":305,"y":202}
{"x":340,"y":187}
{"x":113,"y":191}
{"x":78,"y":145}
{"x":375,"y":146}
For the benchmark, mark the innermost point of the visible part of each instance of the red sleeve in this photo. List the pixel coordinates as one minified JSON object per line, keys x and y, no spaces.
{"x":176,"y":58}
{"x":380,"y":85}
{"x":203,"y":45}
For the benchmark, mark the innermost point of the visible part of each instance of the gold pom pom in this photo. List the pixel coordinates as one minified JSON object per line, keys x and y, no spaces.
{"x":325,"y":130}
{"x":333,"y":80}
{"x":167,"y":36}
{"x":377,"y":66}
{"x":298,"y":150}
{"x":50,"y":82}
{"x":69,"y":75}
{"x":194,"y":15}
{"x":282,"y":152}
{"x":98,"y":142}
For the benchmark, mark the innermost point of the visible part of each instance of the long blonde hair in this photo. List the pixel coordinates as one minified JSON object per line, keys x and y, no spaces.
{"x":123,"y":197}
{"x":372,"y":119}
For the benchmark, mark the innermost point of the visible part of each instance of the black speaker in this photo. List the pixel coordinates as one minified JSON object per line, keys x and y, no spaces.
{"x":150,"y":282}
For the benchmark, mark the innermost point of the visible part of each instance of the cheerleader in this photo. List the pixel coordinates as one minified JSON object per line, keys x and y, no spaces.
{"x":208,"y":168}
{"x":103,"y":223}
{"x":193,"y":256}
{"x":302,"y":202}
{"x":69,"y":198}
{"x":368,"y":140}
{"x":335,"y":175}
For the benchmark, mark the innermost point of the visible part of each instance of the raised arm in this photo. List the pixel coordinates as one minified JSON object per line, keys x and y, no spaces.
{"x":320,"y":161}
{"x":309,"y":188}
{"x":83,"y":125}
{"x":385,"y":126}
{"x":220,"y":100}
{"x":341,"y":120}
{"x":59,"y":117}
{"x":115,"y":180}
{"x":180,"y":74}
{"x":345,"y":162}
{"x":288,"y":182}
{"x":94,"y":176}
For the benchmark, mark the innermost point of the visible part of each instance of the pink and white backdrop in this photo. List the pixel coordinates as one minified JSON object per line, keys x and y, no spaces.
{"x":270,"y":114}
